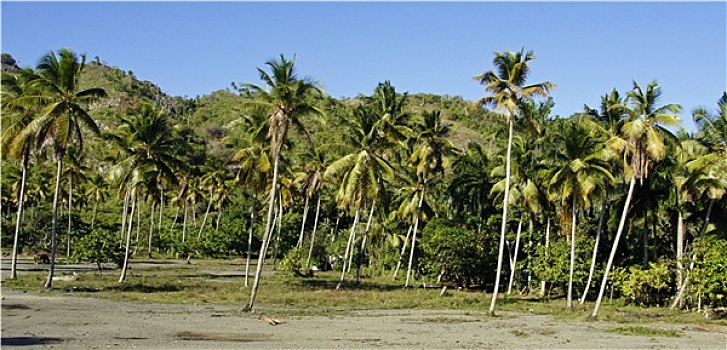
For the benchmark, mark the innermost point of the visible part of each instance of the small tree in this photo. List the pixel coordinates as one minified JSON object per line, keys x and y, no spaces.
{"x":99,"y":246}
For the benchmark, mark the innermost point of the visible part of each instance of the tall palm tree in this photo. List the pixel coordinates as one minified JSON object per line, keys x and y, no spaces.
{"x":582,"y":174}
{"x":148,"y":154}
{"x":253,"y":167}
{"x":64,"y":115}
{"x":360,"y":172}
{"x":704,"y":174}
{"x":507,"y":88}
{"x":430,"y":158}
{"x":288,"y":98}
{"x":15,"y":144}
{"x":610,"y":117}
{"x":642,"y":142}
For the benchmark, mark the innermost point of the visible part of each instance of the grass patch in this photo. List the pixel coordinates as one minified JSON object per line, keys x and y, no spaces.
{"x":222,"y":282}
{"x":646,"y":331}
{"x":518,"y":333}
{"x":448,"y":319}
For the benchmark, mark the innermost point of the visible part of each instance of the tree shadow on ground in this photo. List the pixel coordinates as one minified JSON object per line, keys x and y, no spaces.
{"x":349,"y":285}
{"x":138,"y":287}
{"x":29,"y":341}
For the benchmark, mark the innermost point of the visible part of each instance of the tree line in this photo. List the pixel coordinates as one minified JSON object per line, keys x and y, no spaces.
{"x":544,"y":204}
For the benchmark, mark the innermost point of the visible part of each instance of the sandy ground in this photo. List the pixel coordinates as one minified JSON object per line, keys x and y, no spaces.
{"x":36,"y":321}
{"x":39,"y":321}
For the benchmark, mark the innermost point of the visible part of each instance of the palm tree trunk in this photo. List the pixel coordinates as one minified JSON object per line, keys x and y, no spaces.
{"x":680,"y":248}
{"x":313,"y":234}
{"x":609,"y":264}
{"x":277,"y":236}
{"x":266,"y":235}
{"x":128,"y":240}
{"x":176,"y":216}
{"x":184,"y":222}
{"x":151,"y":227}
{"x":249,"y":241}
{"x":54,"y":245}
{"x":302,"y":226}
{"x":574,"y":213}
{"x":513,"y":266}
{"x":503,"y":228}
{"x":685,"y":282}
{"x":138,"y":226}
{"x":414,"y":237}
{"x":363,"y":243}
{"x":601,"y":219}
{"x":206,"y":213}
{"x":70,"y":201}
{"x":547,"y":245}
{"x":123,"y":217}
{"x":18,"y":221}
{"x":403,"y":250}
{"x":531,"y":225}
{"x":351,"y":238}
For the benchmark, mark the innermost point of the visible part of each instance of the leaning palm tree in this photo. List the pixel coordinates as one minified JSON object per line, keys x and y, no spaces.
{"x":582,"y":174}
{"x":610,"y":117}
{"x":64,"y":115}
{"x":507,"y":88}
{"x":288,"y":98}
{"x":642,"y":141}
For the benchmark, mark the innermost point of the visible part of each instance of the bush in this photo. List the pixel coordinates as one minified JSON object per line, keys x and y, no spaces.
{"x":99,"y":246}
{"x":710,"y":273}
{"x":456,"y":254}
{"x":293,"y":262}
{"x":649,"y":287}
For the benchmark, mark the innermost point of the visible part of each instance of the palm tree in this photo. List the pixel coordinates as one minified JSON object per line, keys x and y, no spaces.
{"x":469,"y":190}
{"x":507,"y":88}
{"x":148,"y":156}
{"x":62,"y":118}
{"x":311,"y":182}
{"x":213,"y":180}
{"x":253,"y":167}
{"x":288,"y":98}
{"x":430,"y":158}
{"x":611,"y":118}
{"x":15,"y":145}
{"x":360,"y":172}
{"x":704,"y":174}
{"x":641,"y":141}
{"x":582,"y":174}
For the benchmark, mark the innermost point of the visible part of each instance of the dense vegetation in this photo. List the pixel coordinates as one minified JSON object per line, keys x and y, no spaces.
{"x":98,"y":166}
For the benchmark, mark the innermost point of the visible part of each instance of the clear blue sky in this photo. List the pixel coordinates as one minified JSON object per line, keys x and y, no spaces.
{"x":585,"y":48}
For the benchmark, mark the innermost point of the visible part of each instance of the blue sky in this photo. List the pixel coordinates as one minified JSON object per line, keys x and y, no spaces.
{"x":585,"y":48}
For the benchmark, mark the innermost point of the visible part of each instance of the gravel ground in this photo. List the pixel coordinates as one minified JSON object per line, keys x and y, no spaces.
{"x":37,"y":321}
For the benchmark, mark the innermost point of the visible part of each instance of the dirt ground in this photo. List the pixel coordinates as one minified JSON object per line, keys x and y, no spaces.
{"x":36,"y":321}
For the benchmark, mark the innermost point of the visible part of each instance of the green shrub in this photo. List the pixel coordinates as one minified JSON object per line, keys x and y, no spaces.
{"x":293,"y":262}
{"x":456,"y":253}
{"x":99,"y":246}
{"x":710,"y":272}
{"x":649,"y":287}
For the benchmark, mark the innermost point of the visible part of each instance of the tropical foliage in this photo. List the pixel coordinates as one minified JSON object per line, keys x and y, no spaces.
{"x":478,"y":195}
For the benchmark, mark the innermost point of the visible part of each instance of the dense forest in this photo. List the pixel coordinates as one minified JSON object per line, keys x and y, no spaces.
{"x":496,"y":194}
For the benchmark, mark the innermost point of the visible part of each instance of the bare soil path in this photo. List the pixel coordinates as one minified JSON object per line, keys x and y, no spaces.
{"x":37,"y":321}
